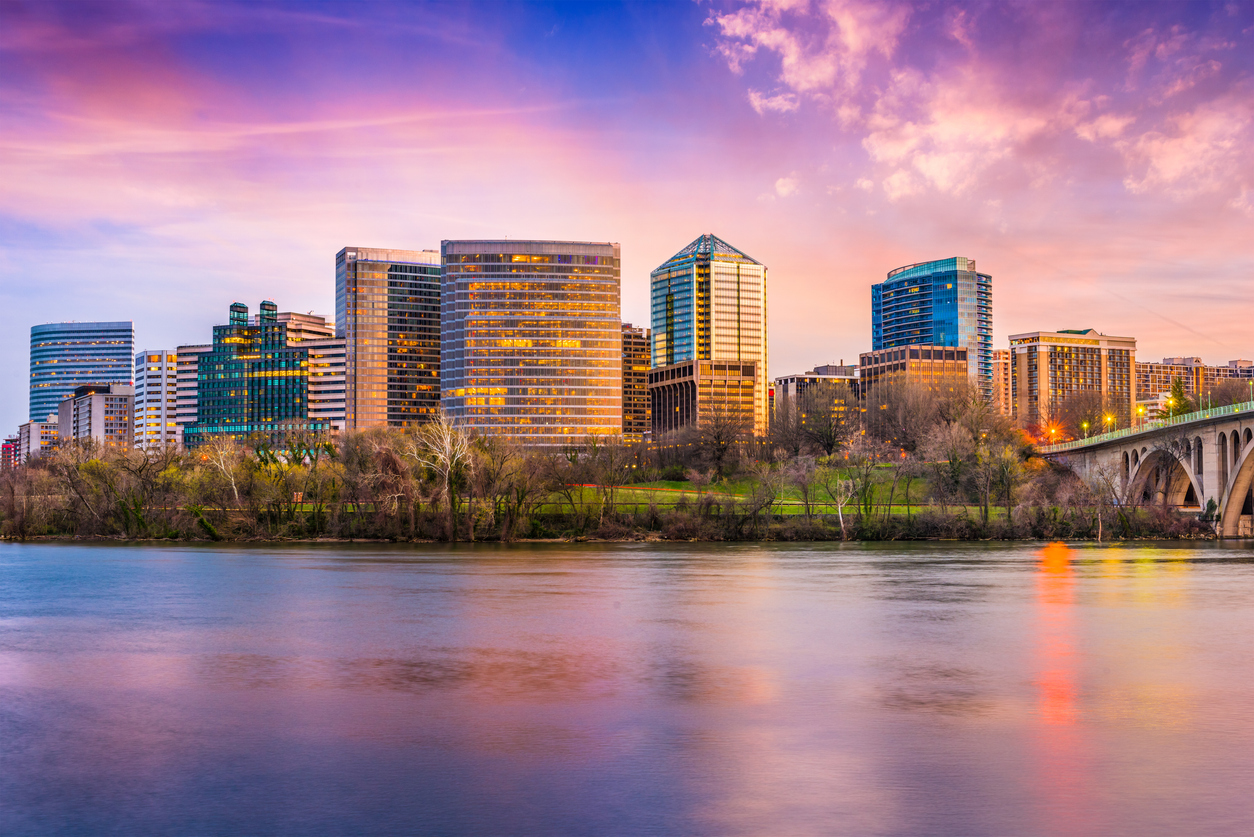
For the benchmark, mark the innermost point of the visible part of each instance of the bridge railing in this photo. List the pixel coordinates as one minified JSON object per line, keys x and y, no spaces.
{"x":1150,"y":426}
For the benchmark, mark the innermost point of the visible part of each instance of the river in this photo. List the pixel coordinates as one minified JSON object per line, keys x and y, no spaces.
{"x":627,"y":689}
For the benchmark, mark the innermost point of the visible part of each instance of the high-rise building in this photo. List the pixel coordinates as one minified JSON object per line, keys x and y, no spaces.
{"x":1049,"y":367}
{"x":708,"y":309}
{"x":1001,"y":382}
{"x":636,"y":424}
{"x":187,"y":373}
{"x":387,"y":311}
{"x":36,"y":438}
{"x":253,"y":381}
{"x":530,"y":339}
{"x":64,"y":356}
{"x":156,"y":400}
{"x":101,"y":413}
{"x":940,"y":303}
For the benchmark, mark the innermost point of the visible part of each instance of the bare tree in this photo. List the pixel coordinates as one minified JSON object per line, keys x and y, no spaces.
{"x":829,"y":415}
{"x":444,"y":450}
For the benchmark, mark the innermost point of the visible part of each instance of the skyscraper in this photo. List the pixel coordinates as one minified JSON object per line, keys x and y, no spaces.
{"x":253,"y":381}
{"x":156,"y":399}
{"x":709,"y":337}
{"x":1047,"y":368}
{"x":636,"y":424}
{"x":65,"y":356}
{"x":940,"y":303}
{"x":387,"y":310}
{"x":531,"y":347}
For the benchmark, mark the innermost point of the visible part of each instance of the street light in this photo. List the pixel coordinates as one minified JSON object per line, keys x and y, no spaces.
{"x":1085,"y":425}
{"x":1109,"y":419}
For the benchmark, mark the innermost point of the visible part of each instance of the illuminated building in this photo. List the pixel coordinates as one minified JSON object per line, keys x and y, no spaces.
{"x":636,"y":413}
{"x":156,"y":399}
{"x":101,"y":413}
{"x":1047,"y":368}
{"x":1001,"y":382}
{"x":253,"y":381}
{"x":834,"y":377}
{"x":64,"y":356}
{"x":186,"y":372}
{"x":35,"y":438}
{"x":387,"y":311}
{"x":531,"y":340}
{"x":708,"y":310}
{"x":1154,"y":379}
{"x":941,"y":303}
{"x":936,"y":368}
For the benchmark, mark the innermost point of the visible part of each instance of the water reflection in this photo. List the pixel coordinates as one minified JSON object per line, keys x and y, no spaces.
{"x":695,"y":689}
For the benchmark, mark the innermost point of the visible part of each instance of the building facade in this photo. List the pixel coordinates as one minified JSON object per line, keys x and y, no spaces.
{"x":64,"y":356}
{"x":156,"y":400}
{"x":102,"y":413}
{"x":1049,"y":367}
{"x":938,"y":368}
{"x":187,"y":372}
{"x":531,"y":340}
{"x":1154,"y":379}
{"x":1001,"y":382}
{"x":708,"y":311}
{"x":387,"y":311}
{"x":637,"y":425}
{"x":833,"y":377}
{"x":36,"y":438}
{"x":252,"y":381}
{"x":10,"y":453}
{"x":939,"y":303}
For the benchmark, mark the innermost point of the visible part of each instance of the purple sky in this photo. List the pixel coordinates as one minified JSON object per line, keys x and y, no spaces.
{"x":160,"y":160}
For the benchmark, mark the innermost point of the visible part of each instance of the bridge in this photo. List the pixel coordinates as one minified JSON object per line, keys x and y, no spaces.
{"x":1184,"y":461}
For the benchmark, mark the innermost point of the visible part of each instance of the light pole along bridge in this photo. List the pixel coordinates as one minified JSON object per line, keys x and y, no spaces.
{"x":1183,"y":461}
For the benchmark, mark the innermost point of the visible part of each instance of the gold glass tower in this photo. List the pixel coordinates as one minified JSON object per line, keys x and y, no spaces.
{"x":530,"y":338}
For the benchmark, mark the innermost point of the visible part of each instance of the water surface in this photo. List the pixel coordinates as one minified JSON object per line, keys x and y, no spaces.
{"x":939,"y":689}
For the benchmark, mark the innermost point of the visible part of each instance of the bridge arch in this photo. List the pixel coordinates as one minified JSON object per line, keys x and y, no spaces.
{"x":1224,"y":469}
{"x":1162,"y":477}
{"x":1238,"y":504}
{"x":1236,"y":448}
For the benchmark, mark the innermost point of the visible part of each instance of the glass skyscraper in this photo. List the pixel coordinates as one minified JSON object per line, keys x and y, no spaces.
{"x":530,"y":338}
{"x":387,"y":309}
{"x":65,"y":356}
{"x":940,"y":303}
{"x":253,"y":381}
{"x":709,"y":336}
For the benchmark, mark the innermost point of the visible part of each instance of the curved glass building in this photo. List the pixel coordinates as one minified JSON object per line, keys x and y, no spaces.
{"x":530,"y":339}
{"x":65,"y":356}
{"x":940,"y":303}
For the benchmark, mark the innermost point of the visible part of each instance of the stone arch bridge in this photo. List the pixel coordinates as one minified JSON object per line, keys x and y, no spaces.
{"x":1184,"y":461}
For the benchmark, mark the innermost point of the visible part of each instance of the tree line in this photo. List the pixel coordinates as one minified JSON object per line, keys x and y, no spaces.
{"x":908,"y":461}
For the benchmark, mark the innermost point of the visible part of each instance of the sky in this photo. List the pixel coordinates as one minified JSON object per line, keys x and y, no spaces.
{"x":160,"y":160}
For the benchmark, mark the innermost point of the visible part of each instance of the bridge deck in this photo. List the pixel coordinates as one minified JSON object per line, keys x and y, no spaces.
{"x":1151,"y":426}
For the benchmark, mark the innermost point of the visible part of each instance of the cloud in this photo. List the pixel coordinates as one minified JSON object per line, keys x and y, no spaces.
{"x":1207,"y":149}
{"x":779,"y":103}
{"x":786,"y":186}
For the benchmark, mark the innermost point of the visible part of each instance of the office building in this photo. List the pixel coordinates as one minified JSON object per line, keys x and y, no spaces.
{"x":531,"y":340}
{"x":186,"y":371}
{"x":936,"y":368}
{"x":1001,"y":382}
{"x":708,"y":310}
{"x":64,"y":356}
{"x":1048,"y":367}
{"x":387,"y":311}
{"x":252,"y":382}
{"x":156,"y":400}
{"x":636,"y":412}
{"x":1154,"y":379}
{"x":101,"y":413}
{"x":10,"y":456}
{"x":36,"y":438}
{"x":943,"y":303}
{"x":834,"y":377}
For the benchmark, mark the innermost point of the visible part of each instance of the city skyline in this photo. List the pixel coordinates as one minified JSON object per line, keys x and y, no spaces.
{"x":1093,"y":158}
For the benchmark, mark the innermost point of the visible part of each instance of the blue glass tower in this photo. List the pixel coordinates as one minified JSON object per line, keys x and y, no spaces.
{"x":940,"y":303}
{"x":65,"y":356}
